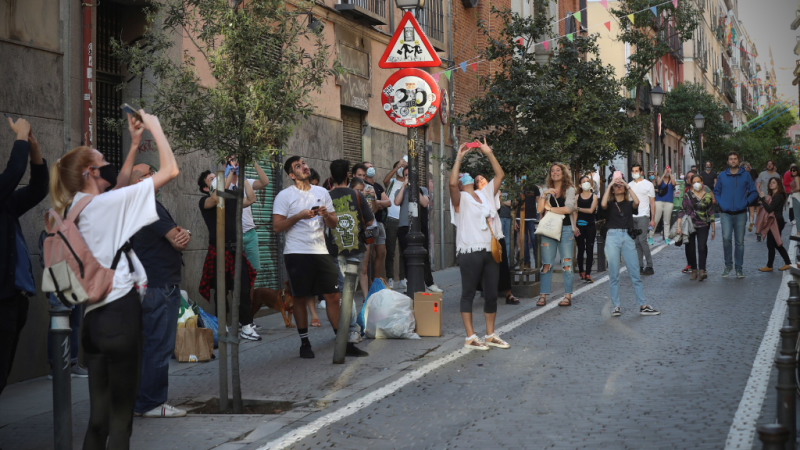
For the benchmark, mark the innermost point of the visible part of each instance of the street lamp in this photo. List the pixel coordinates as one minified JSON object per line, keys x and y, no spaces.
{"x":656,"y":99}
{"x":410,"y":4}
{"x":699,"y":122}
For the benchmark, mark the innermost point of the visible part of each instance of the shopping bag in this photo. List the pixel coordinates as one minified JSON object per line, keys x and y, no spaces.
{"x":210,"y":322}
{"x":194,"y":344}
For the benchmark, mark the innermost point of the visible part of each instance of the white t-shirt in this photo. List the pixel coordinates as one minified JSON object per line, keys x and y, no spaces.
{"x":110,"y":220}
{"x":645,"y":191}
{"x":247,"y":213}
{"x":395,"y":185}
{"x":472,"y":233}
{"x":308,"y":235}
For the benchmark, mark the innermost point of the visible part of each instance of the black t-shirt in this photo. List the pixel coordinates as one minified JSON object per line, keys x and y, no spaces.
{"x":708,"y":178}
{"x":619,"y":215}
{"x":161,"y":261}
{"x":585,"y":203}
{"x":210,"y":217}
{"x":557,"y":204}
{"x":383,"y":214}
{"x":754,"y":174}
{"x":348,"y":236}
{"x":530,"y":203}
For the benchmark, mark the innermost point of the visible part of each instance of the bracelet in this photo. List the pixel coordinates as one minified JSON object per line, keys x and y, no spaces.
{"x":458,"y":160}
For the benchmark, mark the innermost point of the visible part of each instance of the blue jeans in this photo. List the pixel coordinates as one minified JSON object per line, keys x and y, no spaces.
{"x":565,"y":247}
{"x":733,"y":227}
{"x":619,"y":243}
{"x":530,"y":240}
{"x":74,"y":325}
{"x":160,"y":308}
{"x":341,"y":264}
{"x":507,"y":233}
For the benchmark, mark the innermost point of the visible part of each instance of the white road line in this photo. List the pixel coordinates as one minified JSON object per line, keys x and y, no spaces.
{"x":379,"y":394}
{"x":743,"y":428}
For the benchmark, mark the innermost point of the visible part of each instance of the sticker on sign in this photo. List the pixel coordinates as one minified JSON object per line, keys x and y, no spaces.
{"x":409,"y":47}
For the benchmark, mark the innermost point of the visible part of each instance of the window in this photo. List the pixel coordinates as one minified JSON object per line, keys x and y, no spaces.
{"x":351,"y":135}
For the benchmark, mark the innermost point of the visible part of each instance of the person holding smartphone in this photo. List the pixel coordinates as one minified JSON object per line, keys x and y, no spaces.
{"x":620,"y":201}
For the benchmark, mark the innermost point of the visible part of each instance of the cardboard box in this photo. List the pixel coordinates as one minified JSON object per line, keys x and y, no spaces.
{"x":428,"y":313}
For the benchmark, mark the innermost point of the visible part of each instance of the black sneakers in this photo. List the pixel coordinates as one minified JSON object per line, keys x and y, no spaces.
{"x":648,"y":271}
{"x":352,"y":350}
{"x":306,"y":352}
{"x":648,"y":310}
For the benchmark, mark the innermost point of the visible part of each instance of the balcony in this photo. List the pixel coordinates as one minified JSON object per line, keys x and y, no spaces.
{"x":643,"y":92}
{"x":369,"y":12}
{"x":431,"y":19}
{"x":727,"y":88}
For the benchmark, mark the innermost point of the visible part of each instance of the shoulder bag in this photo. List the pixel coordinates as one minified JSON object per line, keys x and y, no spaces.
{"x":551,"y":225}
{"x":497,"y":251}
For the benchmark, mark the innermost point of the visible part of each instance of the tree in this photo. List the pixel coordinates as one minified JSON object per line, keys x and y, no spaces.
{"x":762,"y":138}
{"x":682,"y":104}
{"x":265,"y":63}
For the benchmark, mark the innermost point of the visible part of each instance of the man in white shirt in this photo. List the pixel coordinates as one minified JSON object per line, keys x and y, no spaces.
{"x":393,"y":181}
{"x":646,"y":193}
{"x":303,"y":211}
{"x":249,"y":234}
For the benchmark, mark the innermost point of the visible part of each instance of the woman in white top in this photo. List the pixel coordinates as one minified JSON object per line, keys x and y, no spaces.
{"x":112,"y":327}
{"x":475,"y":216}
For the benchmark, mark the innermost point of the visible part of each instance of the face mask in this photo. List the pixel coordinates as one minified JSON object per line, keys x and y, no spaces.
{"x":400,"y":172}
{"x":636,"y":176}
{"x":370,"y":172}
{"x":586,"y":186}
{"x":708,"y":169}
{"x":652,"y":177}
{"x":697,"y":186}
{"x":681,"y":177}
{"x":109,"y":174}
{"x":467,"y":179}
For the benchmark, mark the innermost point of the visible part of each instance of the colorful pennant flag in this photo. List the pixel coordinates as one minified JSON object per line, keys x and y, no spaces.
{"x":570,"y":37}
{"x":630,"y":17}
{"x":463,"y":66}
{"x":520,"y":41}
{"x":577,"y":16}
{"x":447,"y":74}
{"x":436,"y":77}
{"x":655,"y":10}
{"x":675,"y":3}
{"x":474,"y":66}
{"x":605,"y":3}
{"x":608,"y":25}
{"x":546,"y":44}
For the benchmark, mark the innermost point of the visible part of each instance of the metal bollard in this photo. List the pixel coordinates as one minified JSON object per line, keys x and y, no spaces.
{"x":793,"y":303}
{"x":773,"y":436}
{"x":789,"y":341}
{"x":345,"y":311}
{"x":787,"y":386}
{"x":62,"y":378}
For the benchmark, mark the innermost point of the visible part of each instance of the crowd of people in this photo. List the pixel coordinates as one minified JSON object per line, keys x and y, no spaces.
{"x":128,"y":334}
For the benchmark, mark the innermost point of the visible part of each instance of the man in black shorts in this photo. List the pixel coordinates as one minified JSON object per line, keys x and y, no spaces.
{"x":303,"y":211}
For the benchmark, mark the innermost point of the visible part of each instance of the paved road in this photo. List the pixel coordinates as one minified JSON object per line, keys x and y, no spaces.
{"x":578,"y":378}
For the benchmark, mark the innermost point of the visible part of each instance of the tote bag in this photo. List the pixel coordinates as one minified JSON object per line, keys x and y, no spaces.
{"x":551,"y":225}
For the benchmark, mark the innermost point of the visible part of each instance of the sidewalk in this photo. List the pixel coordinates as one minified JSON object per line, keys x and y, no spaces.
{"x":271,"y":370}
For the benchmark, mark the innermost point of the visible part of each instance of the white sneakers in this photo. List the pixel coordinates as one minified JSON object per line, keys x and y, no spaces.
{"x":401,"y":284}
{"x":248,"y":333}
{"x":354,"y":337}
{"x":322,"y":304}
{"x":390,"y":283}
{"x":433,"y":288}
{"x":165,"y":411}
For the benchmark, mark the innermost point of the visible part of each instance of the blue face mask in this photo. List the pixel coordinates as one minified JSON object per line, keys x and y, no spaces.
{"x":466,"y":179}
{"x":652,"y":177}
{"x":371,"y":172}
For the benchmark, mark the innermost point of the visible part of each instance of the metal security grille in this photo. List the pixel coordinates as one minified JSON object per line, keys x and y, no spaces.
{"x":351,"y":136}
{"x":107,"y":77}
{"x":262,"y":216}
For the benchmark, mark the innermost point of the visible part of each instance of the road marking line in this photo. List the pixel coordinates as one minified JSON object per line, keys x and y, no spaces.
{"x":743,"y":428}
{"x":379,"y":394}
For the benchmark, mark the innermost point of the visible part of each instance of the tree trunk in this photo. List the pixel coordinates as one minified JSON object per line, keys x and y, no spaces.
{"x":237,"y":289}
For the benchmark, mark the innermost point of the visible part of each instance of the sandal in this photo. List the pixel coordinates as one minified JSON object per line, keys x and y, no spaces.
{"x":542,"y":300}
{"x":315,"y":323}
{"x":566,"y":302}
{"x":511,"y":300}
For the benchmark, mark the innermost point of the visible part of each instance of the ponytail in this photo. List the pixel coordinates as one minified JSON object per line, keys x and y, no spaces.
{"x":66,"y":177}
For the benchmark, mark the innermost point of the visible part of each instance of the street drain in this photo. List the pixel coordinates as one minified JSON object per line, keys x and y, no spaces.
{"x":258,"y":407}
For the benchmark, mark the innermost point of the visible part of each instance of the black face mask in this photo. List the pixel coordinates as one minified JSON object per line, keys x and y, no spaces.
{"x":109,"y":174}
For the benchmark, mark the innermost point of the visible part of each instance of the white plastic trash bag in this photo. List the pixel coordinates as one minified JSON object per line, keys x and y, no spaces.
{"x":389,"y":315}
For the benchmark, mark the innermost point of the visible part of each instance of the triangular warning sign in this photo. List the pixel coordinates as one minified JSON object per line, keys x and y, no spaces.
{"x":409,"y":47}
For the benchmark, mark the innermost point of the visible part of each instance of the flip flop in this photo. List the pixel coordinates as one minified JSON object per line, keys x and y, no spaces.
{"x":315,"y":323}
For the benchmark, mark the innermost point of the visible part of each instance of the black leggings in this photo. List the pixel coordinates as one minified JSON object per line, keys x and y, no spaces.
{"x":772,"y":245}
{"x":112,"y":342}
{"x":476,"y":267}
{"x":701,"y":248}
{"x":586,"y":243}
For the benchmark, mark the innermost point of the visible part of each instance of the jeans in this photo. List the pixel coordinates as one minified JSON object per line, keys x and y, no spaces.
{"x":478,"y":267}
{"x":506,"y":222}
{"x":250,"y":245}
{"x":13,"y":315}
{"x":665,"y":209}
{"x":391,"y":246}
{"x":772,"y":245}
{"x":586,"y":245}
{"x":74,"y":325}
{"x":733,"y":227}
{"x":642,"y":247}
{"x":619,"y":244}
{"x":530,"y":240}
{"x":341,"y":265}
{"x":112,"y":341}
{"x":160,"y":308}
{"x":566,"y":248}
{"x":700,"y":249}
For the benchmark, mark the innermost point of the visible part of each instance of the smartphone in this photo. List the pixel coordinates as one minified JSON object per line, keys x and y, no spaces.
{"x":473,"y":144}
{"x":129,"y":109}
{"x":315,"y":208}
{"x":8,"y":115}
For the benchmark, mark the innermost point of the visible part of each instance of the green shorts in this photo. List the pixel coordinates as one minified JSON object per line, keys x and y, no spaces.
{"x":250,"y":244}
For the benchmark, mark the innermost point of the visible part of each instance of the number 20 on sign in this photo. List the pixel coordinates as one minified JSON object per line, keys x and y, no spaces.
{"x":410,"y":98}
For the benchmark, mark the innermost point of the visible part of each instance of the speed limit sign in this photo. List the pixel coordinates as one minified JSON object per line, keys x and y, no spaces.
{"x":410,"y":97}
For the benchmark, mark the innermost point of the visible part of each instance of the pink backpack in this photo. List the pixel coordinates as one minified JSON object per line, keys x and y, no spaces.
{"x":70,"y":269}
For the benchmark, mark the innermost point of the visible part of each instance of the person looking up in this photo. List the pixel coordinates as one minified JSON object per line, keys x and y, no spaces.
{"x":475,"y":216}
{"x":393,"y":181}
{"x":558,"y":198}
{"x":770,"y":223}
{"x":107,"y":218}
{"x":314,"y":178}
{"x":734,"y":192}
{"x":249,"y":234}
{"x":584,"y":226}
{"x":698,"y":206}
{"x":646,"y":194}
{"x":665,"y":196}
{"x":761,"y":184}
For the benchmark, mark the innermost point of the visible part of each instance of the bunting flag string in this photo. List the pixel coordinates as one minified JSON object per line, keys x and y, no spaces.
{"x":604,"y":3}
{"x":608,"y":25}
{"x":654,"y":10}
{"x":630,"y":17}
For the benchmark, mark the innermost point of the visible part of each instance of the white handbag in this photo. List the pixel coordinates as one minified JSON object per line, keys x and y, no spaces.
{"x":551,"y":225}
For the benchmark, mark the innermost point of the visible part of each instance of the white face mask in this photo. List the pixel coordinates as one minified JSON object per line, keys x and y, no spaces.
{"x":586,"y":186}
{"x":697,"y":186}
{"x":400,"y":172}
{"x":635,"y":176}
{"x":681,"y":177}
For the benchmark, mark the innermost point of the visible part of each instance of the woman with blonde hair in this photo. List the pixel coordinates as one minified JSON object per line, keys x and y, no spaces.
{"x":558,"y":198}
{"x":107,"y":219}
